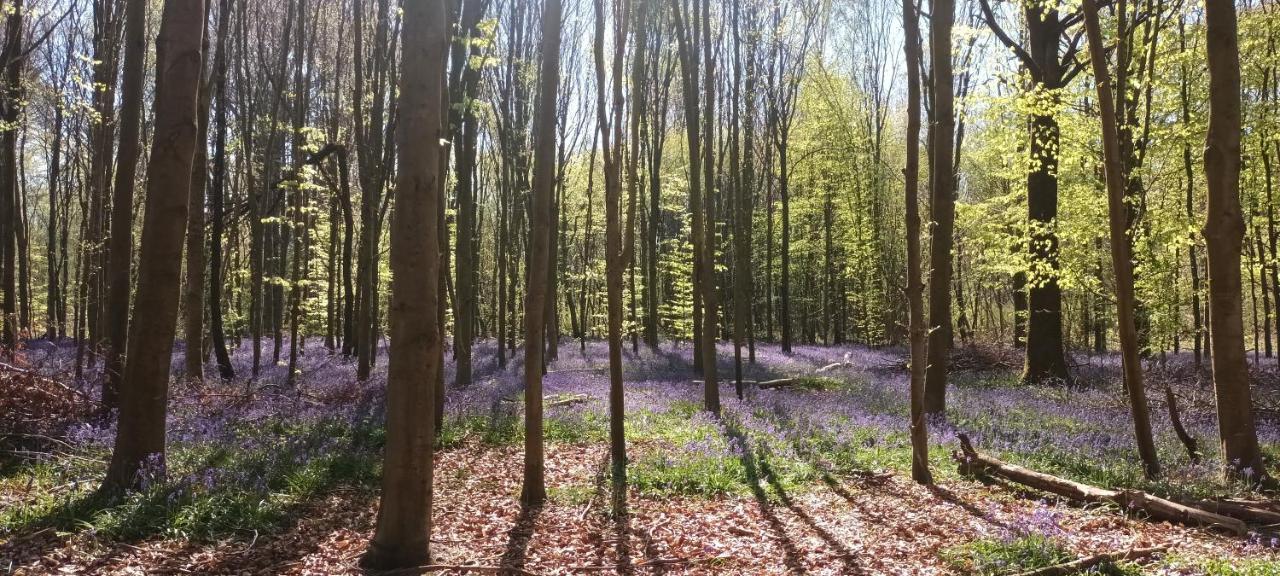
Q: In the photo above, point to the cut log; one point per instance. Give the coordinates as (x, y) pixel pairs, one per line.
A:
(832, 366)
(1193, 448)
(973, 463)
(1078, 566)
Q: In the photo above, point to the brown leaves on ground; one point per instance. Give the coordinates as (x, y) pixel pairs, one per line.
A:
(870, 524)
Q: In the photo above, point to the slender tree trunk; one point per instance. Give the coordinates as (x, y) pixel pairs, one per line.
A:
(915, 288)
(193, 287)
(534, 492)
(218, 194)
(610, 118)
(10, 217)
(942, 196)
(1121, 257)
(120, 252)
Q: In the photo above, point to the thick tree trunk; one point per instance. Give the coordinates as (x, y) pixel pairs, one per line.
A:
(140, 437)
(403, 534)
(1224, 233)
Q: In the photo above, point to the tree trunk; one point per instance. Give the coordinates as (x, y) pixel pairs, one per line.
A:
(915, 289)
(534, 491)
(1121, 257)
(942, 195)
(609, 112)
(193, 287)
(403, 534)
(9, 209)
(218, 194)
(1224, 233)
(139, 451)
(120, 251)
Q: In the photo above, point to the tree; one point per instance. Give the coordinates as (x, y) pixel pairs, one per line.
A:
(140, 435)
(218, 194)
(120, 252)
(534, 492)
(943, 202)
(610, 123)
(193, 287)
(915, 289)
(403, 534)
(687, 37)
(465, 87)
(1121, 254)
(1050, 68)
(9, 207)
(1224, 234)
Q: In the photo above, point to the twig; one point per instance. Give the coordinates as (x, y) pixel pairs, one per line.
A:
(1082, 564)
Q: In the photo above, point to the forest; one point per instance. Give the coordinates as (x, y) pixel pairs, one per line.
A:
(534, 287)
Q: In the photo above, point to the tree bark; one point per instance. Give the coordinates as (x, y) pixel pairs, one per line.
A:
(140, 437)
(915, 288)
(1224, 234)
(218, 194)
(1121, 257)
(942, 195)
(534, 491)
(403, 534)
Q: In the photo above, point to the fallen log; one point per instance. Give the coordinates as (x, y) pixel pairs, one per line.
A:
(1082, 564)
(762, 384)
(779, 383)
(973, 463)
(1246, 512)
(832, 366)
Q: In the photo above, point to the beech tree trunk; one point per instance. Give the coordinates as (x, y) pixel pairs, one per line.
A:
(120, 251)
(140, 436)
(218, 194)
(534, 492)
(1224, 234)
(193, 286)
(609, 112)
(942, 194)
(1121, 255)
(915, 288)
(403, 534)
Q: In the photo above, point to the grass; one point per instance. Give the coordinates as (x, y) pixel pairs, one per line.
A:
(994, 557)
(213, 491)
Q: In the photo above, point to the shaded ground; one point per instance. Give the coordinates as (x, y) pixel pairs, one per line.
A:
(802, 481)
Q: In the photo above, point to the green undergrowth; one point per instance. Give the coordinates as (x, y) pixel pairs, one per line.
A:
(211, 491)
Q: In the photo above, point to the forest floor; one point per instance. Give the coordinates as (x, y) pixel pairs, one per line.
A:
(264, 478)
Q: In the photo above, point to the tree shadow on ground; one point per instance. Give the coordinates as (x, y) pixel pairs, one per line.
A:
(847, 557)
(517, 549)
(792, 557)
(219, 511)
(947, 495)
